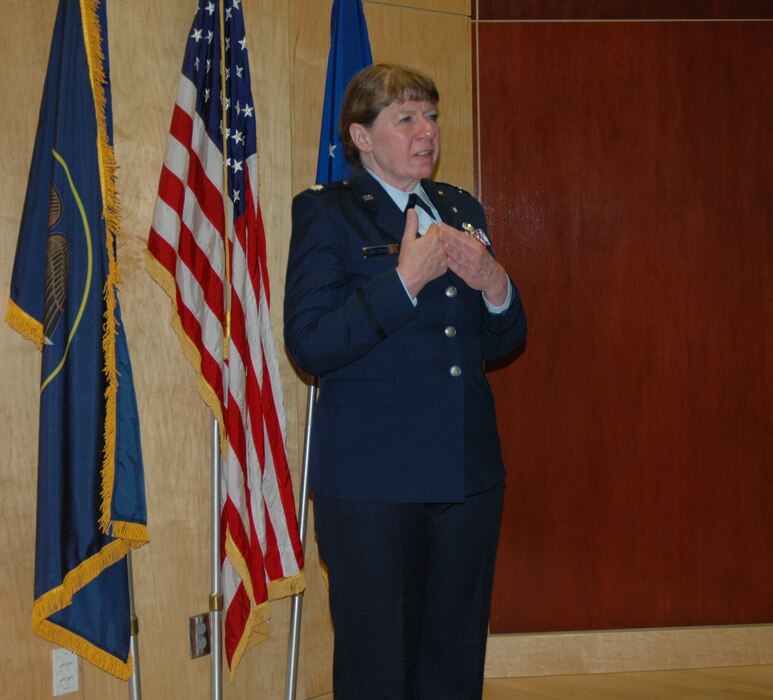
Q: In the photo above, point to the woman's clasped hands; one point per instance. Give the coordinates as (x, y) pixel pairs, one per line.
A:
(425, 258)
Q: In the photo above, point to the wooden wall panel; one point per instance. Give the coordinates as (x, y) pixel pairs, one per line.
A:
(456, 7)
(25, 661)
(288, 51)
(628, 185)
(623, 9)
(416, 36)
(618, 651)
(401, 37)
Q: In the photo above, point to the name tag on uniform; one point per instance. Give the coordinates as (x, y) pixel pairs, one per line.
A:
(386, 249)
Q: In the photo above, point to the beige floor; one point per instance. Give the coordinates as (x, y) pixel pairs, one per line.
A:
(745, 683)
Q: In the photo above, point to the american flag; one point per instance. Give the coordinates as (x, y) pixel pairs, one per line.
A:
(261, 553)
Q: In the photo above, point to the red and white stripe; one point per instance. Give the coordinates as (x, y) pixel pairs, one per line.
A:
(261, 553)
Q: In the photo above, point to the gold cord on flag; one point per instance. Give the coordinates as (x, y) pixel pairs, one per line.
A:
(226, 208)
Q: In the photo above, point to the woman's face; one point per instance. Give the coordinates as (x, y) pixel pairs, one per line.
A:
(403, 144)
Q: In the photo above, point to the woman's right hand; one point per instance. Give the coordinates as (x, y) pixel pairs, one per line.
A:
(422, 259)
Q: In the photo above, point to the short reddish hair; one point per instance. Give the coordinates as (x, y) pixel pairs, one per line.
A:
(374, 88)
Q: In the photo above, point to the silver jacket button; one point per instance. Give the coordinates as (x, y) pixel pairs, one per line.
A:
(455, 370)
(450, 331)
(450, 291)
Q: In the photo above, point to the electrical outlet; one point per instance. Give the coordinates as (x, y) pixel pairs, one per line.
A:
(65, 671)
(198, 633)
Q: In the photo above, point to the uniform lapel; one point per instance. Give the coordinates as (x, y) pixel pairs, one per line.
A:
(444, 198)
(385, 215)
(379, 205)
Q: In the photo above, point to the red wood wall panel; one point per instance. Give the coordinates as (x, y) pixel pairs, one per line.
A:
(622, 9)
(626, 171)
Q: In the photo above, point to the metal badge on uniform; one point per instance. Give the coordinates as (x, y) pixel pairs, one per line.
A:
(386, 249)
(477, 233)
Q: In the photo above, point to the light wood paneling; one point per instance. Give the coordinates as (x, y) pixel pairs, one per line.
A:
(740, 683)
(310, 26)
(25, 660)
(288, 50)
(403, 36)
(627, 650)
(457, 7)
(431, 36)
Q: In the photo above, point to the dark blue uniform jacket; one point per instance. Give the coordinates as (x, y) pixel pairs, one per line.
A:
(404, 411)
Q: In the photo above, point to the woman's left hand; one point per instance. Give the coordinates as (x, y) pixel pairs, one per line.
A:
(472, 261)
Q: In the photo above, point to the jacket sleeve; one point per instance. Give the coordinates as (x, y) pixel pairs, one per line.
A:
(332, 317)
(505, 332)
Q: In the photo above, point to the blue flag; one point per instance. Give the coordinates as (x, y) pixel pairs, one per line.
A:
(91, 495)
(349, 54)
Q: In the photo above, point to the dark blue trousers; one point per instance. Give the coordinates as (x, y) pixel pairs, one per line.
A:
(410, 593)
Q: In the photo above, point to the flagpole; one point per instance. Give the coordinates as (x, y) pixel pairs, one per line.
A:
(291, 681)
(135, 684)
(216, 595)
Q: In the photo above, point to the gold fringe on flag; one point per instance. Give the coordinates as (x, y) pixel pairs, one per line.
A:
(129, 534)
(60, 597)
(166, 281)
(26, 326)
(108, 170)
(256, 628)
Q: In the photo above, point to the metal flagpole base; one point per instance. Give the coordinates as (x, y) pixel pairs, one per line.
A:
(291, 681)
(216, 596)
(135, 684)
(216, 643)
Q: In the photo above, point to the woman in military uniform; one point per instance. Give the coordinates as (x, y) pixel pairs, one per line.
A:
(394, 301)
